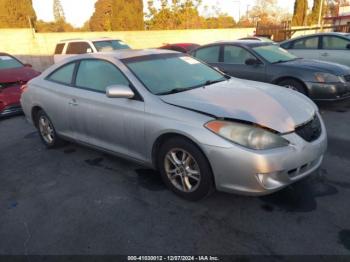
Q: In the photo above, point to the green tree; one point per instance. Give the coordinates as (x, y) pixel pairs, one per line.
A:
(127, 15)
(221, 21)
(300, 12)
(57, 26)
(17, 14)
(313, 17)
(267, 12)
(58, 12)
(183, 14)
(117, 15)
(101, 19)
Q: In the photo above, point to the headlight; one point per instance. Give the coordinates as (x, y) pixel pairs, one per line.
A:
(328, 78)
(247, 135)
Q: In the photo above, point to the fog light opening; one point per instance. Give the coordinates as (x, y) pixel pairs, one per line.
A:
(269, 181)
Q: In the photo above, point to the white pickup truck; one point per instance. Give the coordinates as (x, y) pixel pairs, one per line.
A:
(70, 47)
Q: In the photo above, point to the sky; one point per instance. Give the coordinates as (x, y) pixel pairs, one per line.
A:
(79, 11)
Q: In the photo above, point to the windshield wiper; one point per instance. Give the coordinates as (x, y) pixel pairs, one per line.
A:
(281, 61)
(211, 82)
(179, 90)
(174, 91)
(285, 61)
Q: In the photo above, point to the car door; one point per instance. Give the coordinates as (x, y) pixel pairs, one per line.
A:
(56, 96)
(233, 62)
(335, 49)
(307, 47)
(115, 124)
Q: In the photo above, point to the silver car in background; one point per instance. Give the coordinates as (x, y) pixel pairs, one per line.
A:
(200, 128)
(330, 47)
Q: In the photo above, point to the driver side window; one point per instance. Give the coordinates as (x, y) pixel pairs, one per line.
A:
(236, 55)
(97, 75)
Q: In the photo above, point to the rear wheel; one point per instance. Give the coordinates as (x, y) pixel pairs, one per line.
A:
(185, 169)
(293, 85)
(47, 131)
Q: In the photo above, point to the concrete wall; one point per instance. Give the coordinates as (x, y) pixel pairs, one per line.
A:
(37, 48)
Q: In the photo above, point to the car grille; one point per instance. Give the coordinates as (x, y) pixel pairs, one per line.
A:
(11, 84)
(14, 109)
(311, 130)
(347, 78)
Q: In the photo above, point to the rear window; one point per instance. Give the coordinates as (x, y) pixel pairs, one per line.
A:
(59, 49)
(110, 45)
(208, 54)
(8, 62)
(76, 48)
(63, 75)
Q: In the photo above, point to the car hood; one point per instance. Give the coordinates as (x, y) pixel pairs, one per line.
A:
(318, 66)
(267, 105)
(20, 74)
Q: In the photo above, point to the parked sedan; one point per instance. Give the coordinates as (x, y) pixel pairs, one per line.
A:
(13, 74)
(331, 47)
(180, 47)
(199, 127)
(269, 63)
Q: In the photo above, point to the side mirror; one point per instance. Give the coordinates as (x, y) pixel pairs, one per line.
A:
(89, 50)
(348, 46)
(27, 65)
(252, 62)
(119, 91)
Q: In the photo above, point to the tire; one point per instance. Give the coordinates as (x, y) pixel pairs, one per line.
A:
(187, 173)
(293, 85)
(47, 131)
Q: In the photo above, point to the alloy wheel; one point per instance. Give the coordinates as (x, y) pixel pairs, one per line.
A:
(46, 129)
(182, 170)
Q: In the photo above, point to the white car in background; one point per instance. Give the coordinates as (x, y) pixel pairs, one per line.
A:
(330, 47)
(71, 47)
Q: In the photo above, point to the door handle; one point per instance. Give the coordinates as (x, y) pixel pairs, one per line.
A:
(324, 54)
(73, 102)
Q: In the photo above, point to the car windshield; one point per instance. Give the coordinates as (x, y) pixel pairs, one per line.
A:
(110, 45)
(172, 73)
(8, 62)
(274, 53)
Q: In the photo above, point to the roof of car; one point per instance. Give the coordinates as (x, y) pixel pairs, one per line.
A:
(318, 34)
(124, 54)
(247, 43)
(87, 39)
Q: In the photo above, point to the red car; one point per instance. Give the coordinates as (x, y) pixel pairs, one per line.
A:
(181, 47)
(13, 74)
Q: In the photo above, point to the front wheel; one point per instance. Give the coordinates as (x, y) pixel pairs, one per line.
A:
(293, 85)
(185, 169)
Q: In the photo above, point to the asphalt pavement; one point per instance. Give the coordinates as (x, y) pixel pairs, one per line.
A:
(75, 200)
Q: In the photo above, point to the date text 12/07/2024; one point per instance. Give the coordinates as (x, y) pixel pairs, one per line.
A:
(173, 258)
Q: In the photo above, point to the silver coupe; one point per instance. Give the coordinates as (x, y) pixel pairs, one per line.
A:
(202, 129)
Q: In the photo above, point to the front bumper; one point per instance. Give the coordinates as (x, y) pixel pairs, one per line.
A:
(11, 110)
(328, 91)
(249, 172)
